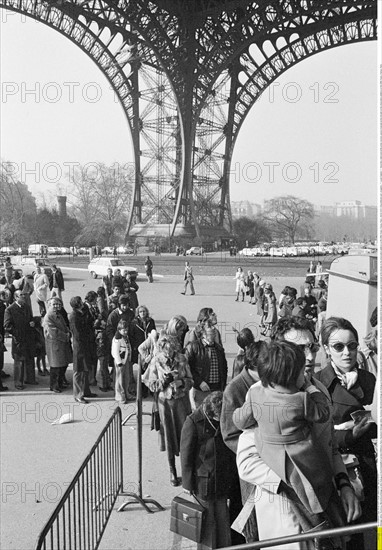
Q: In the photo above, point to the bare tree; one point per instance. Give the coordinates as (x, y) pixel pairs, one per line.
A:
(100, 198)
(289, 217)
(17, 206)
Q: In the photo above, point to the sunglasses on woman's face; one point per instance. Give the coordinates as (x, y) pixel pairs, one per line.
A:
(339, 346)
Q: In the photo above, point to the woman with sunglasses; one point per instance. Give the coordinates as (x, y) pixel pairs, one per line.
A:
(351, 388)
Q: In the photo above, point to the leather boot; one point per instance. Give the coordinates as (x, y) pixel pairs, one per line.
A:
(173, 476)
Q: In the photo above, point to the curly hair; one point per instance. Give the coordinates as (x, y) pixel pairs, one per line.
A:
(212, 404)
(285, 324)
(168, 344)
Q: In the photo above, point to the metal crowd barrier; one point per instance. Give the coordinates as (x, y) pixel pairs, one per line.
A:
(81, 516)
(337, 532)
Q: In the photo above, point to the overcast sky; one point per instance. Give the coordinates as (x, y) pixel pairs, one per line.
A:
(312, 134)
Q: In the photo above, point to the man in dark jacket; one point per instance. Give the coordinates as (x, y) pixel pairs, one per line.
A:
(19, 323)
(208, 364)
(79, 327)
(123, 312)
(56, 282)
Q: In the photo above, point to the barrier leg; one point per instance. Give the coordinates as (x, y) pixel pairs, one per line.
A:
(138, 413)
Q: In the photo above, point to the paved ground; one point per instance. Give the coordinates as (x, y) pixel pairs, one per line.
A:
(38, 459)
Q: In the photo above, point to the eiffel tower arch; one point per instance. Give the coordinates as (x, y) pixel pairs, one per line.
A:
(187, 75)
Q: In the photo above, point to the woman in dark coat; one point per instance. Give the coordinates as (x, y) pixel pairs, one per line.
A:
(140, 328)
(57, 344)
(351, 388)
(208, 469)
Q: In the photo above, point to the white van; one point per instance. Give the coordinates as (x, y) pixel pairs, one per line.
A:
(38, 250)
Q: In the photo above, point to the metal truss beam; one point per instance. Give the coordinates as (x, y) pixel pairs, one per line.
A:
(187, 75)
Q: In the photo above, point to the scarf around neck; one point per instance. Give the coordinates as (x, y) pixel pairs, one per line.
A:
(347, 379)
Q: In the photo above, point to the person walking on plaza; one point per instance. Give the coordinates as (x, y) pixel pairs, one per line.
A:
(57, 344)
(208, 470)
(149, 269)
(269, 309)
(56, 282)
(8, 270)
(188, 278)
(240, 284)
(18, 322)
(41, 287)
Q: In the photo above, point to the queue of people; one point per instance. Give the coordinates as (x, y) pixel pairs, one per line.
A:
(244, 465)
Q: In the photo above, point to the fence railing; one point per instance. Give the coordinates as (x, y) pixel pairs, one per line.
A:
(81, 516)
(337, 532)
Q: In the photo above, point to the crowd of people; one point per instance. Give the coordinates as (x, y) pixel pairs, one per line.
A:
(275, 451)
(308, 302)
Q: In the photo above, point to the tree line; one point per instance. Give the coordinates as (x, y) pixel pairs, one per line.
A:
(99, 199)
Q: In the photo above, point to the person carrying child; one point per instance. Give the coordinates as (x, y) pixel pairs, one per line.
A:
(281, 408)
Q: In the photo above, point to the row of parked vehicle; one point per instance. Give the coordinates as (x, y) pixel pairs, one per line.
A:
(294, 251)
(44, 250)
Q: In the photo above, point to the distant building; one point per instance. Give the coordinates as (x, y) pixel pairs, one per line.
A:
(324, 209)
(241, 209)
(355, 209)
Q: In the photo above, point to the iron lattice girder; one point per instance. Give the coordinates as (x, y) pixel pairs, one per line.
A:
(194, 46)
(188, 53)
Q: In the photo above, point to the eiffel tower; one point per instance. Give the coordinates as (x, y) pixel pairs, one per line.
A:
(187, 73)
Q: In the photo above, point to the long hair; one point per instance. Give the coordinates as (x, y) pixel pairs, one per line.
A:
(121, 325)
(175, 324)
(204, 314)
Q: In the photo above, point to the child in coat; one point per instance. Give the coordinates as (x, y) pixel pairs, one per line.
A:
(281, 408)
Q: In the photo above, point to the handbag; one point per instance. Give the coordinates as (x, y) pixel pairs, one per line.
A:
(187, 518)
